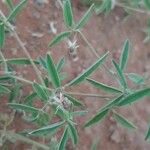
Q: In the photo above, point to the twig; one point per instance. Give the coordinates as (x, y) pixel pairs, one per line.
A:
(71, 93)
(96, 54)
(10, 134)
(38, 73)
(27, 81)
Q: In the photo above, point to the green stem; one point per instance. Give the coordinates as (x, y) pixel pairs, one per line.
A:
(89, 95)
(89, 44)
(4, 61)
(38, 73)
(96, 54)
(133, 9)
(10, 134)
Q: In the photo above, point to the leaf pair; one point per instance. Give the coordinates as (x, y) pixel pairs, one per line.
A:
(120, 101)
(53, 75)
(103, 112)
(52, 71)
(16, 10)
(122, 64)
(69, 130)
(68, 15)
(68, 19)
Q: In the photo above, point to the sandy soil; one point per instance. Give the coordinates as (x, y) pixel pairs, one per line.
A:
(104, 33)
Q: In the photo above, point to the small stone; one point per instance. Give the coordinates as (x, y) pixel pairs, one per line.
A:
(37, 34)
(36, 15)
(115, 137)
(52, 28)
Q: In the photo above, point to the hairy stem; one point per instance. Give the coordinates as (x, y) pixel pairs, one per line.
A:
(89, 95)
(4, 60)
(10, 134)
(96, 54)
(38, 73)
(71, 93)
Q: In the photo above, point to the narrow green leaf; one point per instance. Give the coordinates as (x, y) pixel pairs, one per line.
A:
(67, 13)
(103, 86)
(14, 93)
(19, 61)
(16, 9)
(123, 121)
(120, 74)
(2, 34)
(63, 140)
(60, 64)
(111, 103)
(98, 117)
(47, 129)
(94, 145)
(52, 72)
(147, 136)
(58, 38)
(147, 4)
(105, 7)
(88, 71)
(73, 133)
(42, 61)
(135, 78)
(23, 107)
(124, 55)
(85, 18)
(74, 100)
(135, 96)
(4, 89)
(9, 4)
(40, 91)
(4, 78)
